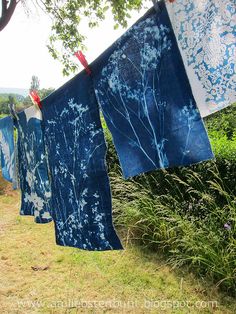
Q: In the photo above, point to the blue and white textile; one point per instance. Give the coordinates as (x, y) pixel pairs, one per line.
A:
(206, 35)
(7, 151)
(145, 96)
(76, 147)
(32, 166)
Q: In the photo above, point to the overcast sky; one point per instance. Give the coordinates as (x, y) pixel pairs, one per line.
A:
(23, 51)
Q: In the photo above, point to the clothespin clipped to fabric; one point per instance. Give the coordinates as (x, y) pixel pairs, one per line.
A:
(35, 98)
(79, 54)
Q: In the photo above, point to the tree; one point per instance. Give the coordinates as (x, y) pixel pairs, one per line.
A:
(7, 10)
(67, 15)
(34, 85)
(5, 100)
(44, 92)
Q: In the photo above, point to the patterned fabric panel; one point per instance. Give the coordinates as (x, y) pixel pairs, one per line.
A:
(80, 186)
(32, 166)
(146, 99)
(206, 35)
(7, 148)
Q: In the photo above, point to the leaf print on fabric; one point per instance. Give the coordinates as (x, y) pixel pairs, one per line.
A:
(76, 148)
(206, 34)
(143, 90)
(33, 169)
(7, 148)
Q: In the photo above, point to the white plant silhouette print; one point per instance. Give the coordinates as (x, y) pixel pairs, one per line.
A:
(32, 164)
(7, 153)
(76, 150)
(205, 32)
(146, 99)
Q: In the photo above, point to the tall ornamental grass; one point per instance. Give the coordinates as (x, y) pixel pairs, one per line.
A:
(188, 214)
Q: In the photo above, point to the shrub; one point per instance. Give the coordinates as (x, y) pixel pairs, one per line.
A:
(223, 147)
(223, 121)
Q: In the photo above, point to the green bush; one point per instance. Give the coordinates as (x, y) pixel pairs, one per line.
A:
(223, 121)
(223, 147)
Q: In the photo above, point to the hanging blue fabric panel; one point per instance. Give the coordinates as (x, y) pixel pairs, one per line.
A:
(206, 35)
(32, 166)
(7, 148)
(76, 150)
(146, 99)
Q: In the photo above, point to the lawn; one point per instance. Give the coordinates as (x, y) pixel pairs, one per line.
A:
(39, 277)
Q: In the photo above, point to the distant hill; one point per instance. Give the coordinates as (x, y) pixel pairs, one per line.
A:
(16, 91)
(18, 97)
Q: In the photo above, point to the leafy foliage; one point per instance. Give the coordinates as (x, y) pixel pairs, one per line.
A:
(34, 85)
(67, 16)
(224, 122)
(223, 147)
(5, 99)
(20, 102)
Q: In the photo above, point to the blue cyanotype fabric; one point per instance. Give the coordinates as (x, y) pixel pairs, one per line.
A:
(146, 99)
(206, 35)
(81, 196)
(32, 166)
(7, 151)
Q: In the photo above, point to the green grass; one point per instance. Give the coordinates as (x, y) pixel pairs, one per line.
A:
(131, 281)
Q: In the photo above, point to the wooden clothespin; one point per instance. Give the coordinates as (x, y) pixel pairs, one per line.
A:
(35, 98)
(79, 54)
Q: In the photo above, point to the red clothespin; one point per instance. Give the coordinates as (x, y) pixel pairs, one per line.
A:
(79, 54)
(35, 98)
(171, 1)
